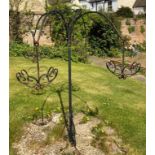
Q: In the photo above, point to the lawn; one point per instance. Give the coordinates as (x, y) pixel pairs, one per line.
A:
(121, 103)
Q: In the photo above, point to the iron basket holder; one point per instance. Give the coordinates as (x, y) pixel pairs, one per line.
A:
(120, 69)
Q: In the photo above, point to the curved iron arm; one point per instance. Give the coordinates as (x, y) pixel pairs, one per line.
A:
(69, 27)
(82, 14)
(124, 70)
(24, 78)
(42, 21)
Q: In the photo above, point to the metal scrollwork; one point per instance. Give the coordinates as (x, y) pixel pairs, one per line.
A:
(123, 70)
(32, 82)
(40, 81)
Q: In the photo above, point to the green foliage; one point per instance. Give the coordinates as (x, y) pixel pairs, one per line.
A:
(78, 52)
(99, 137)
(103, 38)
(127, 22)
(141, 16)
(121, 103)
(130, 53)
(125, 12)
(19, 49)
(97, 130)
(97, 44)
(142, 29)
(90, 110)
(55, 134)
(141, 47)
(84, 120)
(114, 52)
(131, 29)
(143, 71)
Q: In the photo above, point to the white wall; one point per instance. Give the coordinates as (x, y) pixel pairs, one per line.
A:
(139, 10)
(85, 4)
(126, 3)
(89, 6)
(115, 5)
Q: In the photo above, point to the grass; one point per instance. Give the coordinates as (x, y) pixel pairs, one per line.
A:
(121, 103)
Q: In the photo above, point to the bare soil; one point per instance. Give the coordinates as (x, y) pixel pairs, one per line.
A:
(33, 140)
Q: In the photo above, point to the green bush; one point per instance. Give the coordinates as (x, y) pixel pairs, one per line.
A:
(102, 37)
(141, 16)
(141, 47)
(131, 29)
(17, 49)
(142, 29)
(99, 43)
(125, 12)
(127, 22)
(114, 52)
(130, 53)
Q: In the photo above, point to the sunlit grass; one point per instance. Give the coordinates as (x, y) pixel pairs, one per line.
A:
(120, 102)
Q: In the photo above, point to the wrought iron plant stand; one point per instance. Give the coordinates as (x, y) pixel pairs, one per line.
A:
(119, 69)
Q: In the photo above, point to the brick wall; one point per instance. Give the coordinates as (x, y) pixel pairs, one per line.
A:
(136, 36)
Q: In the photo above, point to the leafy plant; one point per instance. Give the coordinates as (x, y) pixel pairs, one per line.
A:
(131, 29)
(19, 49)
(99, 137)
(78, 53)
(125, 12)
(84, 120)
(114, 52)
(40, 113)
(56, 133)
(102, 38)
(127, 22)
(90, 110)
(141, 16)
(141, 47)
(142, 29)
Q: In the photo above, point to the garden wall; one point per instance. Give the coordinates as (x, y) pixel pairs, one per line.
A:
(137, 33)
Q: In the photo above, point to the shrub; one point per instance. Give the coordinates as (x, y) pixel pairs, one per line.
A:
(127, 22)
(125, 12)
(141, 16)
(142, 29)
(99, 44)
(130, 53)
(17, 49)
(141, 47)
(102, 37)
(114, 52)
(136, 49)
(131, 29)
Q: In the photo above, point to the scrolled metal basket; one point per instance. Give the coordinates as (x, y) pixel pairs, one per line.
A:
(122, 70)
(37, 83)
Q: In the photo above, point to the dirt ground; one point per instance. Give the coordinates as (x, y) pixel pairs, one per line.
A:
(101, 61)
(34, 135)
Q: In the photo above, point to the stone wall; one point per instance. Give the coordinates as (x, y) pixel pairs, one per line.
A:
(36, 6)
(137, 36)
(45, 38)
